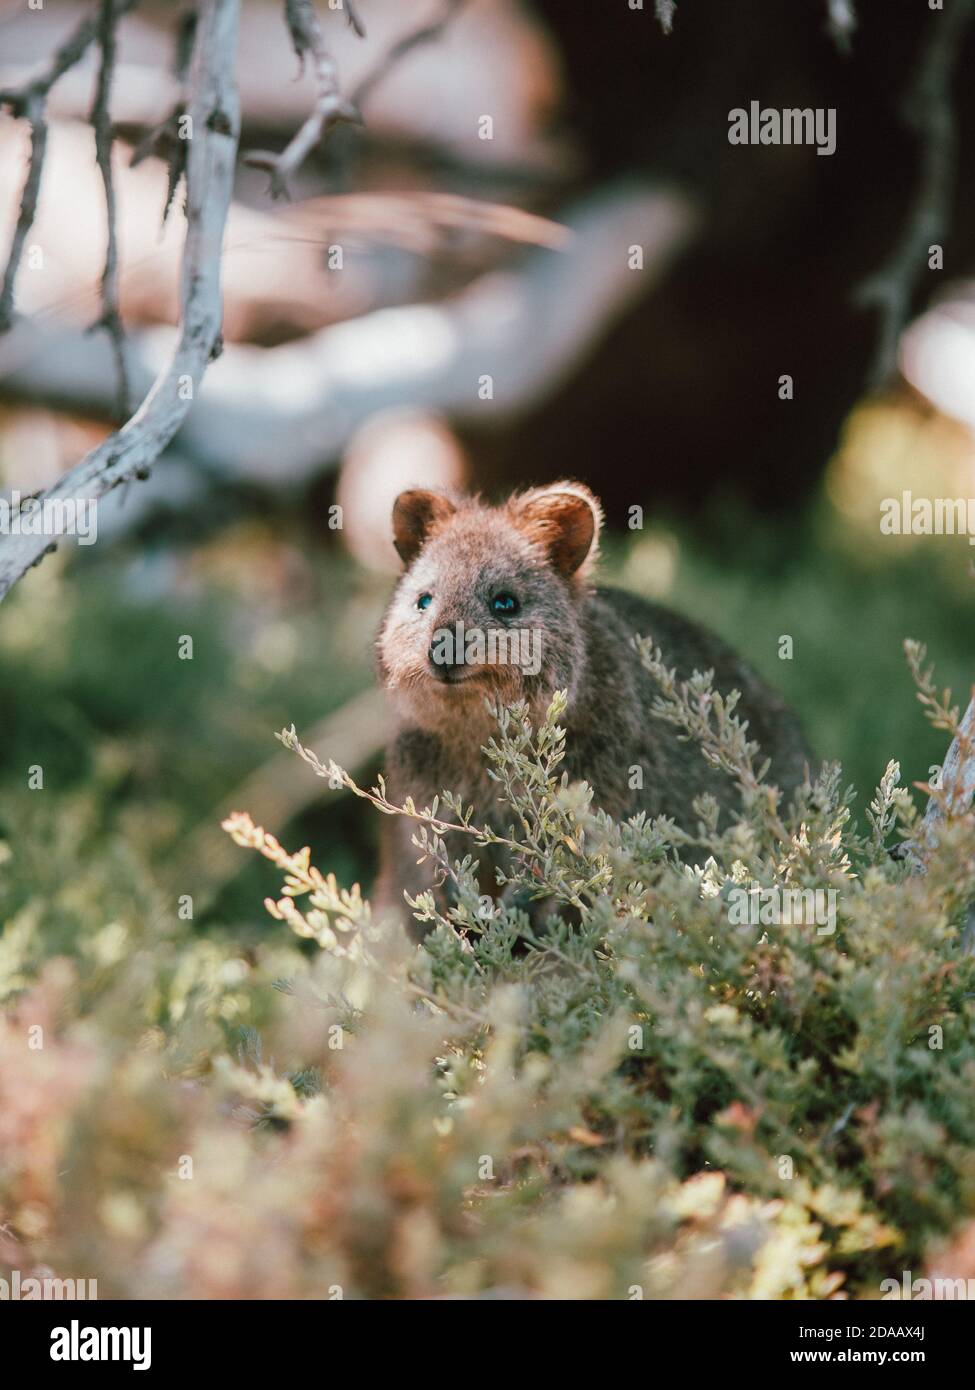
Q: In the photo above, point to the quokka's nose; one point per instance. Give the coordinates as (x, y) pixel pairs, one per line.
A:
(446, 661)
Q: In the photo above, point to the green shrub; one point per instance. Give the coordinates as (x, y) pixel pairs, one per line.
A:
(644, 1095)
(827, 1063)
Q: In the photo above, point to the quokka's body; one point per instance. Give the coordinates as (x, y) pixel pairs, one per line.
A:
(524, 566)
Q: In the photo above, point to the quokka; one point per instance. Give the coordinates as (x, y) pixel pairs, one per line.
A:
(495, 604)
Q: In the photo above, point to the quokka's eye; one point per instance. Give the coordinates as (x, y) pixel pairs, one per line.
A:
(504, 603)
(424, 601)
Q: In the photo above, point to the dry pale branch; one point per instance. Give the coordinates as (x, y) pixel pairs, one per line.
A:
(928, 111)
(951, 794)
(164, 140)
(33, 109)
(330, 109)
(954, 799)
(355, 23)
(210, 168)
(30, 102)
(954, 796)
(950, 797)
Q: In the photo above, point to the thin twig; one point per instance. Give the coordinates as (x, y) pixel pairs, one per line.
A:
(377, 797)
(330, 109)
(951, 797)
(167, 140)
(209, 181)
(34, 111)
(957, 783)
(66, 56)
(29, 102)
(110, 320)
(928, 111)
(355, 23)
(954, 799)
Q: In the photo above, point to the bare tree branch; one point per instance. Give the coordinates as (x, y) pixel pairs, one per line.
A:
(950, 796)
(210, 169)
(929, 112)
(355, 23)
(953, 799)
(33, 109)
(110, 320)
(30, 101)
(164, 140)
(957, 784)
(330, 108)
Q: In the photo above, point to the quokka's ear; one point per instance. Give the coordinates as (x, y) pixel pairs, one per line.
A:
(565, 519)
(416, 515)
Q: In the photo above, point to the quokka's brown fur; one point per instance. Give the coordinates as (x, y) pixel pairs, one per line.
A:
(539, 548)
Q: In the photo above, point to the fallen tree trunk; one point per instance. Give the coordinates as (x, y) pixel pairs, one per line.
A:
(281, 415)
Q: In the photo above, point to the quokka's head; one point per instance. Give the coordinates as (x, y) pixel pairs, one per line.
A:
(488, 606)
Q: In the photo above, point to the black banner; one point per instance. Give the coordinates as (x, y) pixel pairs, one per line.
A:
(147, 1338)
